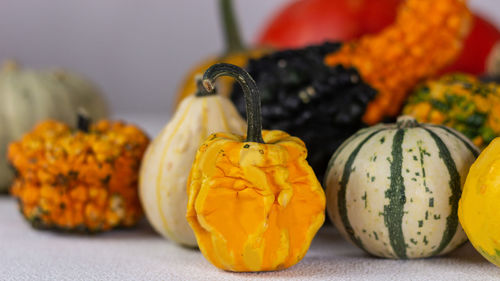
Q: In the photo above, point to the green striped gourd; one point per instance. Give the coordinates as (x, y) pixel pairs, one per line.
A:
(29, 96)
(393, 189)
(168, 160)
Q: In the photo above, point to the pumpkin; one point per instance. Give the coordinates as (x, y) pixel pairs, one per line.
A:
(393, 189)
(166, 165)
(459, 101)
(29, 96)
(254, 203)
(235, 53)
(478, 208)
(426, 36)
(79, 181)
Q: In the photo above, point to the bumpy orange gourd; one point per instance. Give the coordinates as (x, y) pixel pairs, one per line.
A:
(254, 204)
(83, 181)
(426, 36)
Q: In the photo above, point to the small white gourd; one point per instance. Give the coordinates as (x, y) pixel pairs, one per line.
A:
(168, 159)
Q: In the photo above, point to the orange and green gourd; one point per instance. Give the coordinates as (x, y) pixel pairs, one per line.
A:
(254, 203)
(459, 101)
(426, 36)
(79, 181)
(478, 207)
(235, 53)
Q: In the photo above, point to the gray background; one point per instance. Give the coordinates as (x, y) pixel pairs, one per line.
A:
(136, 51)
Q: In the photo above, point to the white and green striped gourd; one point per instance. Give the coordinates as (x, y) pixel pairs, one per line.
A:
(393, 189)
(29, 96)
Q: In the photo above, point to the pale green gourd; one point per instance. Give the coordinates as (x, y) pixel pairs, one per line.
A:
(29, 96)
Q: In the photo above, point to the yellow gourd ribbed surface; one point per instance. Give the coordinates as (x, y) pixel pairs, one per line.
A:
(254, 206)
(479, 206)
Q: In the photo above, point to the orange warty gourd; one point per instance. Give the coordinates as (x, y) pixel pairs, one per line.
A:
(254, 203)
(426, 36)
(79, 181)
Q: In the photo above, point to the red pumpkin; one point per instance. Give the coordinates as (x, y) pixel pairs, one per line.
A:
(305, 22)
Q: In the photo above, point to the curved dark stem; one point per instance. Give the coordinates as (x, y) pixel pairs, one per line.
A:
(201, 91)
(250, 90)
(230, 27)
(83, 121)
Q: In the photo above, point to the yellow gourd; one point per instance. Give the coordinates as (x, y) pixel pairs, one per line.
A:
(254, 202)
(165, 168)
(479, 206)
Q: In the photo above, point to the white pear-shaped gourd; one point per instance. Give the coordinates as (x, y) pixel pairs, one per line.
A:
(29, 96)
(168, 159)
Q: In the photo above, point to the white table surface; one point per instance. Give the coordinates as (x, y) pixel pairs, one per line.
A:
(141, 254)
